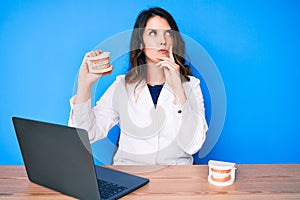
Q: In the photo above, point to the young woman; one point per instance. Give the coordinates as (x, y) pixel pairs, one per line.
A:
(158, 104)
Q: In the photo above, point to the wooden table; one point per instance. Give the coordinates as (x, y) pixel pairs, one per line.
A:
(176, 182)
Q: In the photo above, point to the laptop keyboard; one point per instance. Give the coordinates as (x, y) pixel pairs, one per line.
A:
(109, 189)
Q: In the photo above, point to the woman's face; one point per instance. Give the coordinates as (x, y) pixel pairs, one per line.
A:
(157, 38)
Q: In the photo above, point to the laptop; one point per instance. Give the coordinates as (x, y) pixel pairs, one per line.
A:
(60, 158)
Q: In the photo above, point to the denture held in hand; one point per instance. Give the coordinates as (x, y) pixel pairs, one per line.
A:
(99, 64)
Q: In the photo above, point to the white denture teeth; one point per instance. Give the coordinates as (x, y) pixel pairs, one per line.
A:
(221, 173)
(101, 64)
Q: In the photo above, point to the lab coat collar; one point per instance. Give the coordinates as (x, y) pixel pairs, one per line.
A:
(142, 94)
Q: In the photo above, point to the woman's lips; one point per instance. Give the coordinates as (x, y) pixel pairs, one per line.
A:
(163, 51)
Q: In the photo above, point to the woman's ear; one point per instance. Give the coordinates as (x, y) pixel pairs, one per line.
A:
(141, 47)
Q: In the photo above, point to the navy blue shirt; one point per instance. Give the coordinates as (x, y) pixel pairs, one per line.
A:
(155, 91)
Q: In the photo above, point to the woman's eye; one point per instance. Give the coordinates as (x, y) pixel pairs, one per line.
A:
(169, 33)
(152, 33)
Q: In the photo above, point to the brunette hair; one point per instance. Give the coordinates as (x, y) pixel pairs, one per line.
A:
(137, 70)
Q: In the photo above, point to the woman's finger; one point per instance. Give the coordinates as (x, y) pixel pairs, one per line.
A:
(168, 64)
(171, 54)
(94, 53)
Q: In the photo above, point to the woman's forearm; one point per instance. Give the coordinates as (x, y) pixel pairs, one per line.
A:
(83, 93)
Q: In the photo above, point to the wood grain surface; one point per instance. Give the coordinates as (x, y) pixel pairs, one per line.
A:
(176, 182)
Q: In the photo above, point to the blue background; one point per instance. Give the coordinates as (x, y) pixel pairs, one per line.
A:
(255, 45)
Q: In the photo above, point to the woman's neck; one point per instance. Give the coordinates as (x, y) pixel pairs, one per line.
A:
(155, 75)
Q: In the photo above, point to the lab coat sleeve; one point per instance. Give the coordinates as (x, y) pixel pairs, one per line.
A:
(193, 127)
(97, 120)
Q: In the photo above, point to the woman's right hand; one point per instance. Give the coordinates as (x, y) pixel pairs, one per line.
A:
(86, 79)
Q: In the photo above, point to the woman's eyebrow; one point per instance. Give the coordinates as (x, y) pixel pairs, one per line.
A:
(156, 29)
(151, 29)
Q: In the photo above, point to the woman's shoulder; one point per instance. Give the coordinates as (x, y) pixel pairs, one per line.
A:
(118, 81)
(121, 78)
(193, 80)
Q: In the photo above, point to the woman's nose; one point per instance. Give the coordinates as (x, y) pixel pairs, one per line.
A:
(162, 39)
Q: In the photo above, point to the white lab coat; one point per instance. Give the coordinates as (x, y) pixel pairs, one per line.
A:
(167, 134)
